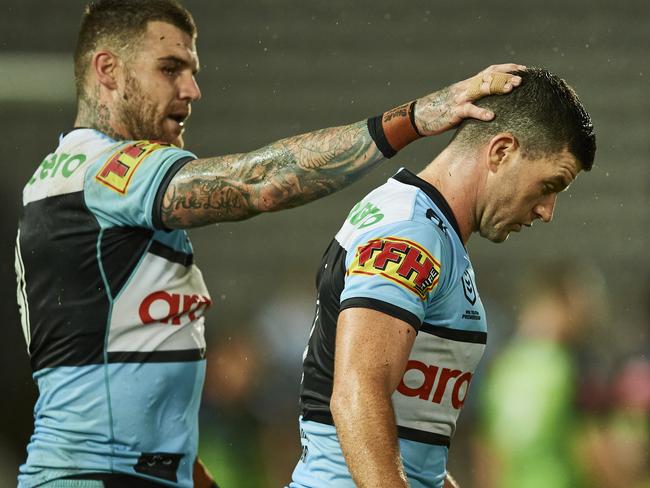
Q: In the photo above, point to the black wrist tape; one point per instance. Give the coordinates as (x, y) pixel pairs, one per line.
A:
(377, 134)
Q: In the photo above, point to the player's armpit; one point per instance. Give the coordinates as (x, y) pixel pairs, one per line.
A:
(284, 174)
(372, 349)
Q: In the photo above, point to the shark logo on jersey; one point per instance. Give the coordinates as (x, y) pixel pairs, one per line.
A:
(118, 170)
(403, 261)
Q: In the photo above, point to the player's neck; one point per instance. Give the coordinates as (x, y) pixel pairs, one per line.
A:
(454, 175)
(94, 114)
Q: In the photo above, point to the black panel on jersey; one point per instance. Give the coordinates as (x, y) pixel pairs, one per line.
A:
(318, 366)
(162, 465)
(170, 254)
(474, 336)
(175, 356)
(156, 216)
(408, 178)
(422, 436)
(118, 480)
(384, 307)
(122, 248)
(68, 305)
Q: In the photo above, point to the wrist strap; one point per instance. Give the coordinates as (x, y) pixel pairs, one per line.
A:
(394, 129)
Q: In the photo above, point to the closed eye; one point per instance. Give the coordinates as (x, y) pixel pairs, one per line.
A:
(170, 71)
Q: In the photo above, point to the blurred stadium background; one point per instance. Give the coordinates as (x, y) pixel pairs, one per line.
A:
(276, 68)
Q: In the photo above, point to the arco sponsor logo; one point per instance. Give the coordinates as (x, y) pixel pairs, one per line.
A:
(399, 260)
(434, 382)
(170, 308)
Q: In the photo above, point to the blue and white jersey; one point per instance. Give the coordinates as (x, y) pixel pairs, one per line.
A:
(399, 252)
(112, 310)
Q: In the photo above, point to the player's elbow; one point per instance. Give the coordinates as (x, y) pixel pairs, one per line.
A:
(342, 401)
(350, 398)
(270, 198)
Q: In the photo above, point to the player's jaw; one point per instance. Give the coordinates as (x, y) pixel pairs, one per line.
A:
(174, 124)
(144, 117)
(497, 227)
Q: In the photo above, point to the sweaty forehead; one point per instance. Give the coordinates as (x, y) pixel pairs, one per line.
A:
(162, 39)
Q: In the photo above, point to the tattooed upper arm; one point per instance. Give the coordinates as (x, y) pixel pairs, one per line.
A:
(284, 174)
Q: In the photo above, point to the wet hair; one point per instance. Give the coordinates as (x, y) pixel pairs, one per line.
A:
(545, 115)
(120, 23)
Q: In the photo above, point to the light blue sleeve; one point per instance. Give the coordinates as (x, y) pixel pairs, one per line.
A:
(394, 269)
(121, 188)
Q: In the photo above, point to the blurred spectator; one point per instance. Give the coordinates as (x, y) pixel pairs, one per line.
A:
(528, 407)
(230, 431)
(250, 401)
(615, 445)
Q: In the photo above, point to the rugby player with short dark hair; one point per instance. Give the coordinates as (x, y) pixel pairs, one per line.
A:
(111, 301)
(399, 325)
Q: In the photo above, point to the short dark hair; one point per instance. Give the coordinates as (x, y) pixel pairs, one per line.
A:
(121, 22)
(544, 113)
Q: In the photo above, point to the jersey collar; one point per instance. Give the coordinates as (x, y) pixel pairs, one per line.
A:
(408, 178)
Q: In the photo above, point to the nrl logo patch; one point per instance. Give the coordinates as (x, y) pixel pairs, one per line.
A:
(118, 170)
(468, 287)
(400, 260)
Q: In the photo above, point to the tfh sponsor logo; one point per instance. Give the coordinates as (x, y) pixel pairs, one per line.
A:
(435, 381)
(400, 260)
(118, 171)
(170, 308)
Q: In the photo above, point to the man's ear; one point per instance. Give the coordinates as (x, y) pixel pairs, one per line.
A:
(105, 65)
(501, 148)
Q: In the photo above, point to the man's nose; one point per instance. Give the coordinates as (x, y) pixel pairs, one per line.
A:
(189, 89)
(544, 210)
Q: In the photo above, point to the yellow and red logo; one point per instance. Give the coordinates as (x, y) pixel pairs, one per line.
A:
(118, 170)
(400, 260)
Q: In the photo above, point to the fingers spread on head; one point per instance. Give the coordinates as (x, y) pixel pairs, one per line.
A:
(481, 113)
(498, 83)
(494, 83)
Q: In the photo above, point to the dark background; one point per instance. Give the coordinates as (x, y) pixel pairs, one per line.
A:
(271, 69)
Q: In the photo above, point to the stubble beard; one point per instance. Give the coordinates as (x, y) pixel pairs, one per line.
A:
(137, 113)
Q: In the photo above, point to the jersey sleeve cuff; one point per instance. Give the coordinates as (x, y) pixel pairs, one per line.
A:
(156, 211)
(384, 307)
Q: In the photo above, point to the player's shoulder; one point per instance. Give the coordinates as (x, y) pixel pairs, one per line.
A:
(117, 167)
(62, 171)
(133, 152)
(397, 208)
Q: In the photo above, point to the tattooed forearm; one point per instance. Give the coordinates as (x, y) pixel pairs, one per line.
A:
(284, 174)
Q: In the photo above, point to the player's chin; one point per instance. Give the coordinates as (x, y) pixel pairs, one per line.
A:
(172, 138)
(502, 237)
(495, 235)
(178, 141)
(173, 134)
